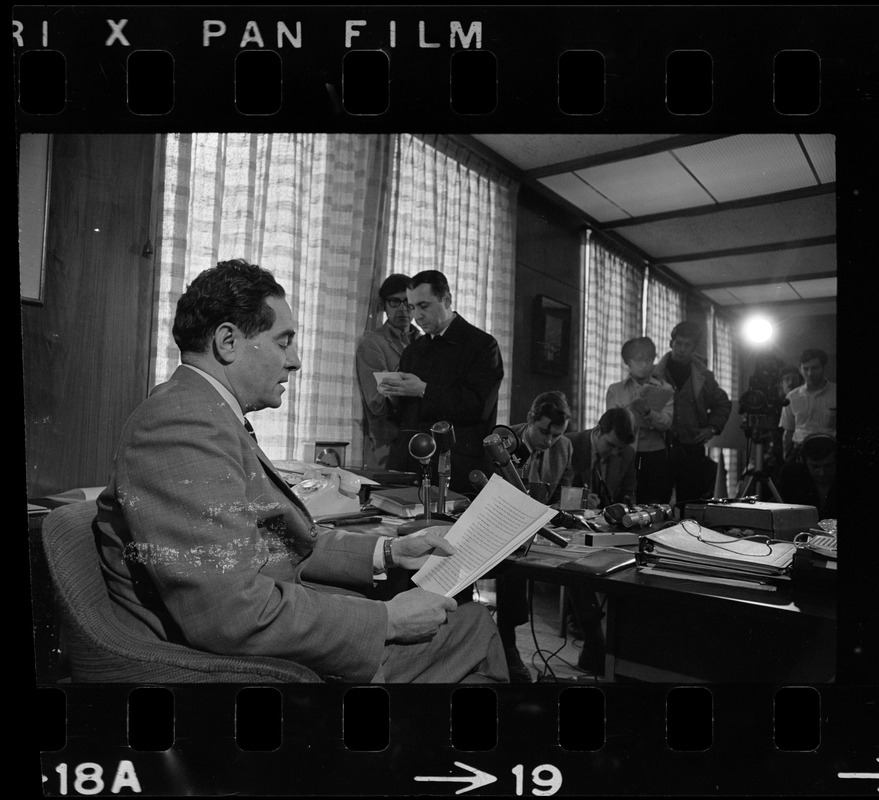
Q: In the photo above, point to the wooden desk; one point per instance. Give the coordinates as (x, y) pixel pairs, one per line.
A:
(669, 630)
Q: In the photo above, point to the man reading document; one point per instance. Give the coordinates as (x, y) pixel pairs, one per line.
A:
(203, 543)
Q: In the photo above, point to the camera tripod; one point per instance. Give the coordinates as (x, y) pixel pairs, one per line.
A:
(758, 476)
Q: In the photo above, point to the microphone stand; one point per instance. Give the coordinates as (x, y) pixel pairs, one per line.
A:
(444, 436)
(421, 447)
(501, 458)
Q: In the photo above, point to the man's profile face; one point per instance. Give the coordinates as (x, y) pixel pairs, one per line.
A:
(682, 349)
(397, 309)
(813, 373)
(430, 313)
(263, 364)
(608, 445)
(543, 434)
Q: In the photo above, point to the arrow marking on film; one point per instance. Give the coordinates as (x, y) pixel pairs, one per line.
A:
(476, 778)
(862, 775)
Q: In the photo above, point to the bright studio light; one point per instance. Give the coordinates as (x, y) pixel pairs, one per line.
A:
(757, 330)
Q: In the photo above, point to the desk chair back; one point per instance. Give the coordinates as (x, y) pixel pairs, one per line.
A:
(99, 648)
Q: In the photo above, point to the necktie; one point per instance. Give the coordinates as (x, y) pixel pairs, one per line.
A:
(249, 428)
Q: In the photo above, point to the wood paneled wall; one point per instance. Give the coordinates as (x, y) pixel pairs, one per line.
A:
(547, 263)
(86, 349)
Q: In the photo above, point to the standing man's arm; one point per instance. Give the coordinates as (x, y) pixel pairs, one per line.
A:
(370, 358)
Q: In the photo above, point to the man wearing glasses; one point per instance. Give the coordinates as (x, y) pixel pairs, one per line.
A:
(380, 351)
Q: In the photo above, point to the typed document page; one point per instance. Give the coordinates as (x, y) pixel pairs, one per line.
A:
(500, 519)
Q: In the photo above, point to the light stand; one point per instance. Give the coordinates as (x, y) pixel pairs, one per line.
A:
(757, 475)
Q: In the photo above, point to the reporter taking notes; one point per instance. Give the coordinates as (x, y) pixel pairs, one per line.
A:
(203, 543)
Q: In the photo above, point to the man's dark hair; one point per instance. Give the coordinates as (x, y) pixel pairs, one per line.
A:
(817, 446)
(233, 291)
(813, 352)
(553, 405)
(687, 329)
(638, 344)
(438, 283)
(619, 421)
(393, 284)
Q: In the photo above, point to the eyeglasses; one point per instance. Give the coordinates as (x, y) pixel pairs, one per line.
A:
(694, 529)
(395, 302)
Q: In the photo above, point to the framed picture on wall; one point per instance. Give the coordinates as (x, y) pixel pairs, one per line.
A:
(551, 336)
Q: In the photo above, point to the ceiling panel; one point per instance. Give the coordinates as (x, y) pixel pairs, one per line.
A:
(811, 289)
(766, 293)
(821, 148)
(647, 185)
(583, 196)
(748, 165)
(532, 151)
(757, 266)
(745, 218)
(788, 221)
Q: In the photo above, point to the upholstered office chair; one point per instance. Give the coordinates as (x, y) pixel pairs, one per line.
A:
(99, 648)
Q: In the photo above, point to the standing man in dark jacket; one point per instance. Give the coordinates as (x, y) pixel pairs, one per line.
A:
(701, 409)
(452, 373)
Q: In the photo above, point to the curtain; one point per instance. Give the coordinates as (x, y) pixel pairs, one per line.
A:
(665, 308)
(726, 371)
(613, 315)
(306, 207)
(451, 211)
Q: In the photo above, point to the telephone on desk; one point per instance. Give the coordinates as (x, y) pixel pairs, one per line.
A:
(328, 492)
(821, 540)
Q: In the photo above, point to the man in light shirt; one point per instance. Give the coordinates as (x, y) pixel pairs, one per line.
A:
(811, 407)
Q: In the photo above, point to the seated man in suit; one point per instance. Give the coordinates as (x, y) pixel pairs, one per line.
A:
(545, 458)
(203, 543)
(811, 479)
(603, 459)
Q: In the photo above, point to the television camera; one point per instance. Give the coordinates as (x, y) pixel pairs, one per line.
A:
(760, 409)
(760, 406)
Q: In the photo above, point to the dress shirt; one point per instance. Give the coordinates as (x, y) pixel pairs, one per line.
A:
(810, 411)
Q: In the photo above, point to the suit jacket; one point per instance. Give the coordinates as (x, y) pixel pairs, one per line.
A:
(463, 372)
(619, 473)
(186, 554)
(557, 470)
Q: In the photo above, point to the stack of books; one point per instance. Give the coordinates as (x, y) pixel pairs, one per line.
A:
(408, 502)
(691, 552)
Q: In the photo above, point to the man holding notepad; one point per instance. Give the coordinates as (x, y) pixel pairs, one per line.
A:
(650, 401)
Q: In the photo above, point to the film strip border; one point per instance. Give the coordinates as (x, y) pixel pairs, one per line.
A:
(448, 67)
(334, 740)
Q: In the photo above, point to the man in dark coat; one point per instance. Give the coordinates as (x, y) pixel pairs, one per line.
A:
(453, 373)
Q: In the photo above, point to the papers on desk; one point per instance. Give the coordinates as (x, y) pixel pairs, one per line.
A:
(692, 552)
(499, 520)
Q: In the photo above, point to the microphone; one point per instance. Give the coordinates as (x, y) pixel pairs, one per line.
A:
(494, 445)
(478, 480)
(444, 436)
(421, 447)
(501, 457)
